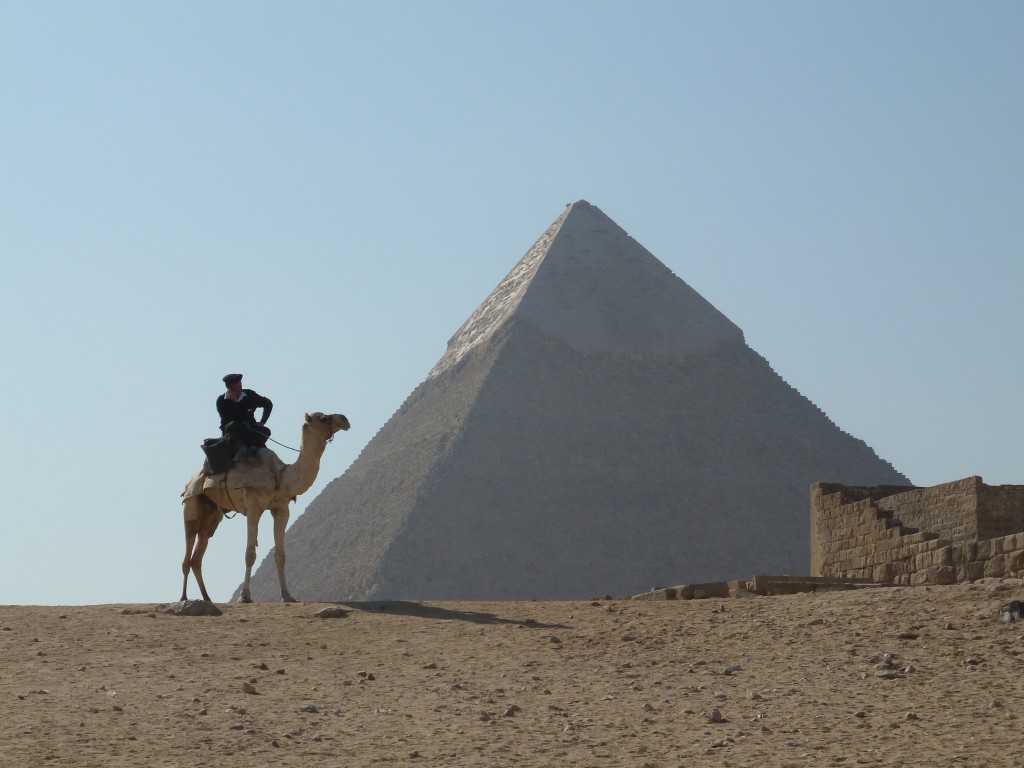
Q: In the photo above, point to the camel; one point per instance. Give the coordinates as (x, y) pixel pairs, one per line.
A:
(270, 485)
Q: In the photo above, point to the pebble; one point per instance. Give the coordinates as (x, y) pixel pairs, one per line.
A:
(249, 688)
(715, 716)
(331, 613)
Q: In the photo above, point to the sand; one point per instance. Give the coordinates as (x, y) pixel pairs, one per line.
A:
(798, 680)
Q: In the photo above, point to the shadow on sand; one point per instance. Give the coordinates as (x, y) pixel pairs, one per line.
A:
(408, 608)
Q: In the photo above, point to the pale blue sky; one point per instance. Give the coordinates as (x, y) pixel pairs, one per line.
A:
(319, 194)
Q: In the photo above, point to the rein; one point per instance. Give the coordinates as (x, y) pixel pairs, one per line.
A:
(286, 446)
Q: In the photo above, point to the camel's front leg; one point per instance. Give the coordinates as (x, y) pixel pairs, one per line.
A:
(252, 519)
(280, 523)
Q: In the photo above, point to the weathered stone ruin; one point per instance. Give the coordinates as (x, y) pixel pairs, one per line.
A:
(595, 425)
(955, 532)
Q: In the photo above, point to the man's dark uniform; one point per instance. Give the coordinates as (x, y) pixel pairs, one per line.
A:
(240, 412)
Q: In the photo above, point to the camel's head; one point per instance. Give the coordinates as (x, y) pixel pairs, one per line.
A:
(326, 424)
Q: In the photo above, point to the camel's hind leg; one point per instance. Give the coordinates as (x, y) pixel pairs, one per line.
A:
(202, 517)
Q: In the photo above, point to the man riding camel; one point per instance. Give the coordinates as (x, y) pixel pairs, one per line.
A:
(237, 408)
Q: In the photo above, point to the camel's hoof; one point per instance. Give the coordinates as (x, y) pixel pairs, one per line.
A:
(288, 599)
(245, 599)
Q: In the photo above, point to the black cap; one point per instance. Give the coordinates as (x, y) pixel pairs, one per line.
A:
(231, 378)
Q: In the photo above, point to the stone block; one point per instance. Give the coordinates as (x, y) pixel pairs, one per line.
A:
(866, 516)
(968, 551)
(1015, 560)
(924, 545)
(919, 578)
(832, 547)
(1012, 543)
(974, 570)
(931, 558)
(941, 574)
(702, 591)
(661, 593)
(913, 538)
(884, 573)
(984, 550)
(995, 566)
(943, 556)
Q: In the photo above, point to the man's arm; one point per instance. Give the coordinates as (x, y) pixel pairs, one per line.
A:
(266, 405)
(224, 411)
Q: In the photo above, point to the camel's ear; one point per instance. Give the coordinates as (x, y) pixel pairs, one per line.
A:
(308, 419)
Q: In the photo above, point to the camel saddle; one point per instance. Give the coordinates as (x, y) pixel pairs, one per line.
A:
(242, 474)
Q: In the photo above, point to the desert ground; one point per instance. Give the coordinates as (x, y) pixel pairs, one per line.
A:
(915, 676)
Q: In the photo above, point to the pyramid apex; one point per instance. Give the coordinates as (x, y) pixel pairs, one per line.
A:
(588, 283)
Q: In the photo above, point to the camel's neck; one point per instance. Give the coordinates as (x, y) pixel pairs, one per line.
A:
(298, 477)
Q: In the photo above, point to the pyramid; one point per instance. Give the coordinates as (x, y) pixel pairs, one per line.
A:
(595, 426)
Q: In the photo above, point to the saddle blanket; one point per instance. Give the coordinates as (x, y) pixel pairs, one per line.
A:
(243, 474)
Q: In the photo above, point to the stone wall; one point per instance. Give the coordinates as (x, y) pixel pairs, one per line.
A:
(954, 532)
(949, 510)
(1001, 510)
